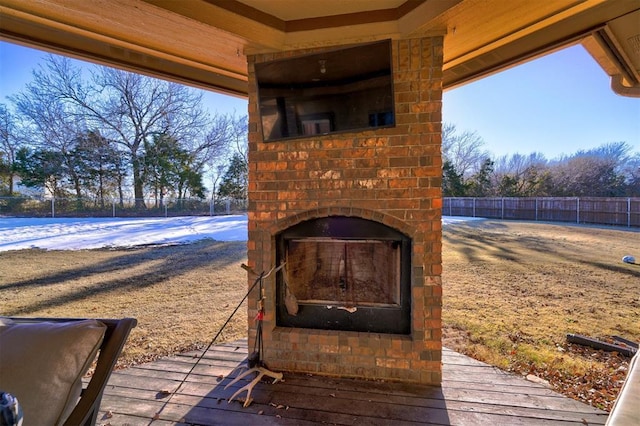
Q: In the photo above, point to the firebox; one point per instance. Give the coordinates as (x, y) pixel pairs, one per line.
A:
(345, 273)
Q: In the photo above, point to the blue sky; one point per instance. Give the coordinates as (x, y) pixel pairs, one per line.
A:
(555, 105)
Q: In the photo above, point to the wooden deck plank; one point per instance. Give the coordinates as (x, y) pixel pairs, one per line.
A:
(123, 419)
(291, 412)
(472, 393)
(436, 398)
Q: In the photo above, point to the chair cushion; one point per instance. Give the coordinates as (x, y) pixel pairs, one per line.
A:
(42, 364)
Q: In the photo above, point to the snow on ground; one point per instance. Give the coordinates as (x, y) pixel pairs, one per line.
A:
(92, 233)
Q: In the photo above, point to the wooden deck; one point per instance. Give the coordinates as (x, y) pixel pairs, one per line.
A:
(472, 393)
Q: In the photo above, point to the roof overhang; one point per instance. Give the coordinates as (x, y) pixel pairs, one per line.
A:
(204, 43)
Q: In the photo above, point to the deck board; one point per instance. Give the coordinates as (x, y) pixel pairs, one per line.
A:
(472, 393)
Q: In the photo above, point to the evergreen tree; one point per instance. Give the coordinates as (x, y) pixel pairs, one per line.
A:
(41, 169)
(235, 181)
(452, 182)
(171, 170)
(100, 166)
(480, 183)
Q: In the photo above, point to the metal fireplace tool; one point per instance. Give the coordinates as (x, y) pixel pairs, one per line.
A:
(255, 361)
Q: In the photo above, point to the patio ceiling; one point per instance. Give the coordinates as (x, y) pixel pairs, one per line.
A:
(204, 43)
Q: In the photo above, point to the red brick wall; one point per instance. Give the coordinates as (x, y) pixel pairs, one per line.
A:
(390, 175)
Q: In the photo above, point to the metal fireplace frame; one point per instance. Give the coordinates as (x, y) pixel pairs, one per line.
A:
(394, 319)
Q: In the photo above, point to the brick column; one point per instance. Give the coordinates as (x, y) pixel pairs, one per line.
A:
(391, 175)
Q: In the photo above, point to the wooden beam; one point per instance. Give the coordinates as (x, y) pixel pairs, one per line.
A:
(124, 33)
(251, 28)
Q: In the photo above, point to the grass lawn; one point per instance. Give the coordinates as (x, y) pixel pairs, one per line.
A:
(512, 291)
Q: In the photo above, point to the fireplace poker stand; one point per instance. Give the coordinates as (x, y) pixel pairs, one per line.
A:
(255, 361)
(258, 366)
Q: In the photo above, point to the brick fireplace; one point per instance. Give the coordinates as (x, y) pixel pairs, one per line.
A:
(357, 218)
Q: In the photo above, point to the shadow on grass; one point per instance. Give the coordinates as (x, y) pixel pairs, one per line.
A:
(474, 243)
(174, 262)
(487, 238)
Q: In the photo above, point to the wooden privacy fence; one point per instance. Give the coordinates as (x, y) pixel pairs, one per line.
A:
(596, 210)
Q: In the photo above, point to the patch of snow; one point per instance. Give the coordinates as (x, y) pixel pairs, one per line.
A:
(93, 233)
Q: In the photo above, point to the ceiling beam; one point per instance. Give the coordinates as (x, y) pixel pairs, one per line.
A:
(96, 31)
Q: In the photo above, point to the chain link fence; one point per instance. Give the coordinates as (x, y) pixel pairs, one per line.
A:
(609, 211)
(88, 207)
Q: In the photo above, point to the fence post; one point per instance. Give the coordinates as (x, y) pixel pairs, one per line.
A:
(474, 208)
(450, 206)
(577, 210)
(536, 200)
(629, 212)
(113, 208)
(53, 207)
(502, 205)
(228, 205)
(211, 207)
(166, 210)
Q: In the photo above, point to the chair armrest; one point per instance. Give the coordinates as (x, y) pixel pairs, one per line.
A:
(86, 411)
(626, 409)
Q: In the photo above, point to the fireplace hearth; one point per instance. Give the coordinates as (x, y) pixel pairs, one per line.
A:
(346, 273)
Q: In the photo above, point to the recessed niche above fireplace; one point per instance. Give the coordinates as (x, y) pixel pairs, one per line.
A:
(347, 274)
(337, 90)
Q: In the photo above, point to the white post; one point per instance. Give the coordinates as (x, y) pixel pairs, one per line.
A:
(629, 212)
(577, 210)
(536, 208)
(113, 208)
(53, 207)
(228, 203)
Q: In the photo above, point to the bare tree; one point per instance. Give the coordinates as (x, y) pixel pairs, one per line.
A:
(464, 151)
(51, 122)
(520, 175)
(220, 136)
(9, 145)
(131, 108)
(239, 136)
(127, 108)
(586, 175)
(631, 172)
(226, 131)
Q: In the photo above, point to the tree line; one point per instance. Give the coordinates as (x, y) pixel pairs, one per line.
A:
(610, 170)
(107, 134)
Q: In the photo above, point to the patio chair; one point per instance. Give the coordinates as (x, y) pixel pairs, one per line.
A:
(43, 361)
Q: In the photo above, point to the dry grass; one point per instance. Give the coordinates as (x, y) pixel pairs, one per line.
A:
(180, 295)
(512, 291)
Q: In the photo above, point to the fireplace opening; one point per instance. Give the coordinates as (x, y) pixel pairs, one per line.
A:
(347, 274)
